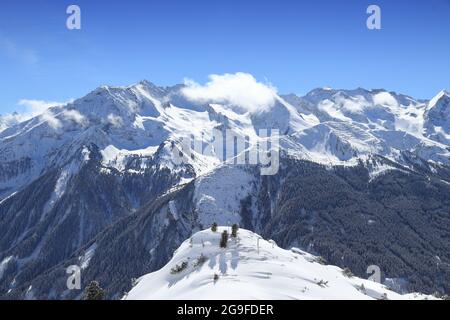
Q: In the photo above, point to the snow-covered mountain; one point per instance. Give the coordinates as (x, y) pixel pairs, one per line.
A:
(252, 268)
(325, 126)
(358, 122)
(99, 176)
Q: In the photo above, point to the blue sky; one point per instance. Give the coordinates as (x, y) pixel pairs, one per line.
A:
(295, 45)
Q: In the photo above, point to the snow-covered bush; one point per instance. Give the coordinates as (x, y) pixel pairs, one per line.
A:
(322, 283)
(200, 261)
(179, 267)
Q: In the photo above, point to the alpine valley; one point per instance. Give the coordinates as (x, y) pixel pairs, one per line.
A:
(364, 179)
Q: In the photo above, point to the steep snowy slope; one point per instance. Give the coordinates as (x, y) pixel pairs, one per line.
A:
(251, 268)
(437, 118)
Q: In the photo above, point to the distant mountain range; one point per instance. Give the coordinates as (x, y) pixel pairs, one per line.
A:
(364, 179)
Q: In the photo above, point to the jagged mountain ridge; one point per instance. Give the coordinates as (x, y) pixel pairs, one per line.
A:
(328, 126)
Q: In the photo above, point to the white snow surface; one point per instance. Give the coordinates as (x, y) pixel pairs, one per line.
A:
(252, 268)
(218, 194)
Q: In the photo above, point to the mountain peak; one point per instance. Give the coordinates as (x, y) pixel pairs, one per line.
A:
(147, 83)
(443, 94)
(149, 86)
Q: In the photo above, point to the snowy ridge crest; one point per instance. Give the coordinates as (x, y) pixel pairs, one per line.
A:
(252, 268)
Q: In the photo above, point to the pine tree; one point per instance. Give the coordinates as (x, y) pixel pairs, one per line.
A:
(234, 230)
(94, 291)
(224, 239)
(214, 227)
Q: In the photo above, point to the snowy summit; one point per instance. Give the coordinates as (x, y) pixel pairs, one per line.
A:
(252, 268)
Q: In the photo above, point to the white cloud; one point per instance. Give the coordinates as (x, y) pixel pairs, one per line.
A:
(239, 89)
(115, 120)
(51, 120)
(36, 107)
(75, 116)
(385, 99)
(352, 104)
(9, 120)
